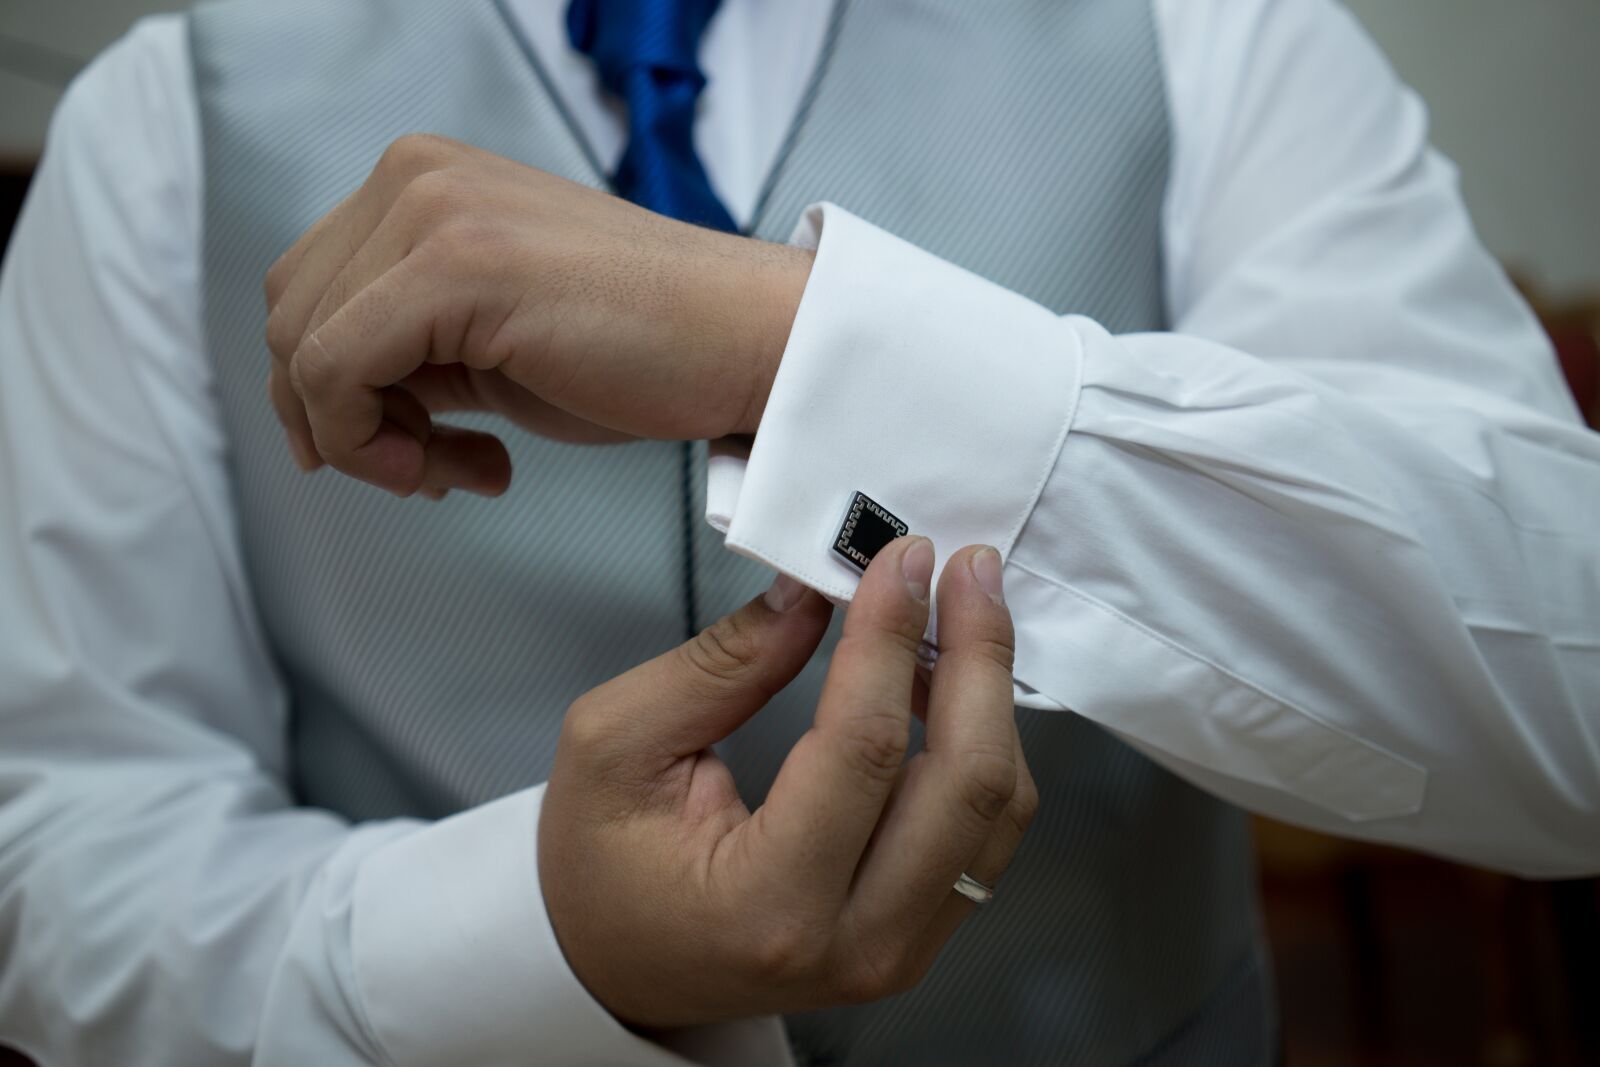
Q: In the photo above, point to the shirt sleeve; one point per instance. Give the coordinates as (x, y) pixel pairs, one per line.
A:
(1326, 548)
(162, 899)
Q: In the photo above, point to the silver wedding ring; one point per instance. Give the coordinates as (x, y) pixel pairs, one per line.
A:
(973, 889)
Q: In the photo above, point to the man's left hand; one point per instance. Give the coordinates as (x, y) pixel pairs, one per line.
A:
(454, 280)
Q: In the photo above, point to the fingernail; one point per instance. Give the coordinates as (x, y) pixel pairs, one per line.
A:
(916, 566)
(784, 593)
(986, 569)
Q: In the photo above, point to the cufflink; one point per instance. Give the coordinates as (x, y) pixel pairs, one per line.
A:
(867, 527)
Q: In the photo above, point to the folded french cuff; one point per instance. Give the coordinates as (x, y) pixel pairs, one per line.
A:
(947, 399)
(455, 957)
(940, 395)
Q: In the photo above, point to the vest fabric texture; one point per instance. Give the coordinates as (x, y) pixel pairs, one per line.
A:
(431, 649)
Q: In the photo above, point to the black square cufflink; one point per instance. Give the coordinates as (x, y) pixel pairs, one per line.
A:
(867, 527)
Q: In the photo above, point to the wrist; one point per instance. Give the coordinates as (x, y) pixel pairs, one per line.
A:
(768, 296)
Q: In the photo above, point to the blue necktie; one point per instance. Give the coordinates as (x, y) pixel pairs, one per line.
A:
(645, 53)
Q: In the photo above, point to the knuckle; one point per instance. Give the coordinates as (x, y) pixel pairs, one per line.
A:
(723, 651)
(415, 152)
(312, 370)
(893, 630)
(1024, 806)
(858, 985)
(276, 280)
(880, 646)
(873, 975)
(908, 636)
(904, 625)
(990, 662)
(457, 242)
(999, 649)
(334, 297)
(430, 197)
(584, 729)
(986, 782)
(281, 337)
(785, 952)
(876, 741)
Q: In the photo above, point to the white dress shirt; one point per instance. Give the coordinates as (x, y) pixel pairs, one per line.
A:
(1330, 548)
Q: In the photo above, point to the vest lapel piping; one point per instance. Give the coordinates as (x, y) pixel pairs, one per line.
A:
(797, 123)
(597, 171)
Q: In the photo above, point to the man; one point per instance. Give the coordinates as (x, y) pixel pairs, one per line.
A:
(1291, 504)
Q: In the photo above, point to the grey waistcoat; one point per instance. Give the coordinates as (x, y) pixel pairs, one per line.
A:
(431, 649)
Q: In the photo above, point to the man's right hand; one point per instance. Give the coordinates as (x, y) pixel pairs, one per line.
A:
(675, 905)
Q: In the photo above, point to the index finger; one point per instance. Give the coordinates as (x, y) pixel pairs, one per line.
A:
(298, 283)
(964, 778)
(343, 372)
(830, 792)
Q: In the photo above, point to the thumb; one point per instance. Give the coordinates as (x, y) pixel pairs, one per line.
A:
(700, 692)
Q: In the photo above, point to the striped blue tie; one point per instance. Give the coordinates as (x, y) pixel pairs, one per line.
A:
(645, 52)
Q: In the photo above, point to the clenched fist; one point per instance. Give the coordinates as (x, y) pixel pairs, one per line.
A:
(454, 279)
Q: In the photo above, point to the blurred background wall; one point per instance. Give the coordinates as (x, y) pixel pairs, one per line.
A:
(1514, 91)
(1383, 958)
(42, 44)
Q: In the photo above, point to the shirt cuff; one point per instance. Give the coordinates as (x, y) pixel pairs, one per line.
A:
(948, 400)
(457, 962)
(907, 379)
